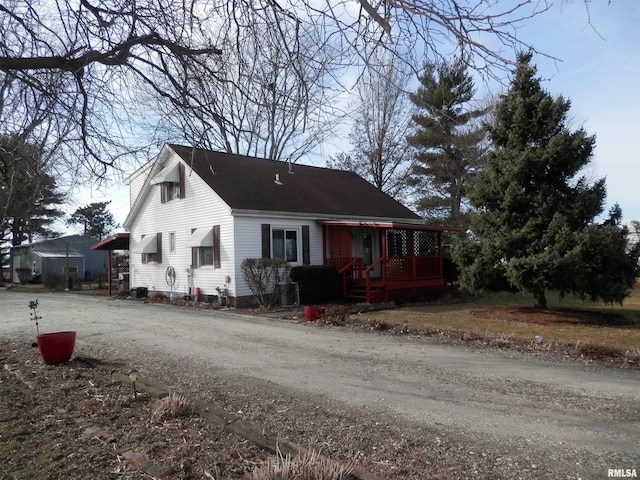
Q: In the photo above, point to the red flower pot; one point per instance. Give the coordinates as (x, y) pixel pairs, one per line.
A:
(313, 313)
(56, 347)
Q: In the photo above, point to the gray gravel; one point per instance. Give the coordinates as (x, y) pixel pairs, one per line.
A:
(578, 413)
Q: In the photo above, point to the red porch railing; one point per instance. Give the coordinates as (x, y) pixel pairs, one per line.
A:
(349, 268)
(396, 272)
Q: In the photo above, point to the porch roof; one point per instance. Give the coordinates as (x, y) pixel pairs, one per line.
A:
(394, 225)
(119, 241)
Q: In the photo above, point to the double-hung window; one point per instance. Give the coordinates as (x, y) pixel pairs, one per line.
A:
(285, 244)
(150, 246)
(205, 247)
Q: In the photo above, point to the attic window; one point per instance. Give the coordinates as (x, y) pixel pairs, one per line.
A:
(171, 181)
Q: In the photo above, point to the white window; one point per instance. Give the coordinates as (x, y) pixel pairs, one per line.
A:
(284, 244)
(205, 256)
(205, 246)
(173, 191)
(172, 242)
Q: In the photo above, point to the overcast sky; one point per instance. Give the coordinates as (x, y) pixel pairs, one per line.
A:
(598, 70)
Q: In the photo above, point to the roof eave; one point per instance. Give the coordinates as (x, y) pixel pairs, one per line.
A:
(316, 216)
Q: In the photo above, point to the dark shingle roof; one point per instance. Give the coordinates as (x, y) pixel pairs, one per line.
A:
(248, 183)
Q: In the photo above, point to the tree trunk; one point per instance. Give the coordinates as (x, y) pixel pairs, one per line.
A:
(539, 299)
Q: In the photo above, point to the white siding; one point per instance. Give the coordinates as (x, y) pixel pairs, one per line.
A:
(248, 234)
(201, 208)
(240, 237)
(136, 182)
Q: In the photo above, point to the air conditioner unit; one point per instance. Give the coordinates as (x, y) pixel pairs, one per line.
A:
(289, 294)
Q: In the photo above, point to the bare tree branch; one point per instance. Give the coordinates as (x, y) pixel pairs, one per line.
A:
(96, 56)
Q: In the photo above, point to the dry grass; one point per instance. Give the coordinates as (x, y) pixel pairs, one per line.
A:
(172, 406)
(590, 329)
(310, 466)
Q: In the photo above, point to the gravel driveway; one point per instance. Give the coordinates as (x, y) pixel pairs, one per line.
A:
(580, 414)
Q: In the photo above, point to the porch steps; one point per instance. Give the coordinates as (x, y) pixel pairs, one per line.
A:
(358, 293)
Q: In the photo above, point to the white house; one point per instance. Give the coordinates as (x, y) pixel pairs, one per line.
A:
(200, 213)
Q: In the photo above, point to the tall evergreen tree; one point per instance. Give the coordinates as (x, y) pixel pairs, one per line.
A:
(97, 222)
(535, 226)
(448, 141)
(29, 198)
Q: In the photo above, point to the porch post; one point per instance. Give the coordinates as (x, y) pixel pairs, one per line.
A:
(383, 266)
(412, 254)
(109, 270)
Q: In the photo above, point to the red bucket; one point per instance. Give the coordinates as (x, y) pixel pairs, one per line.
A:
(313, 313)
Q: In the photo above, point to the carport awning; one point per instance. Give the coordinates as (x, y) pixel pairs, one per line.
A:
(202, 237)
(148, 244)
(168, 174)
(119, 241)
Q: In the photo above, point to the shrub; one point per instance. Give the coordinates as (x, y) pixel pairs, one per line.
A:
(264, 277)
(318, 283)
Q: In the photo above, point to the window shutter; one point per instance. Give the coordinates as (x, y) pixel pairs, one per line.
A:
(143, 255)
(266, 240)
(163, 193)
(159, 247)
(306, 255)
(194, 254)
(181, 177)
(216, 246)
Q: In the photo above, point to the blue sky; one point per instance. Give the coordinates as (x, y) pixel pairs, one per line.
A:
(599, 72)
(598, 69)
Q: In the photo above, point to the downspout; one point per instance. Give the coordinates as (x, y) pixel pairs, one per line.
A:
(109, 253)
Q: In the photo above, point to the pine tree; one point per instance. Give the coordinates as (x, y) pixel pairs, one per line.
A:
(97, 222)
(535, 227)
(28, 192)
(448, 143)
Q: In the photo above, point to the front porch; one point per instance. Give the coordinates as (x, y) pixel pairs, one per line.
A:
(382, 262)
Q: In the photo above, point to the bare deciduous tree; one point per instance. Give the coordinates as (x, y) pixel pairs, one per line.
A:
(83, 56)
(272, 97)
(381, 118)
(90, 56)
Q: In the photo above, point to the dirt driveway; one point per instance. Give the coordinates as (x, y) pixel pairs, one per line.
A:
(586, 417)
